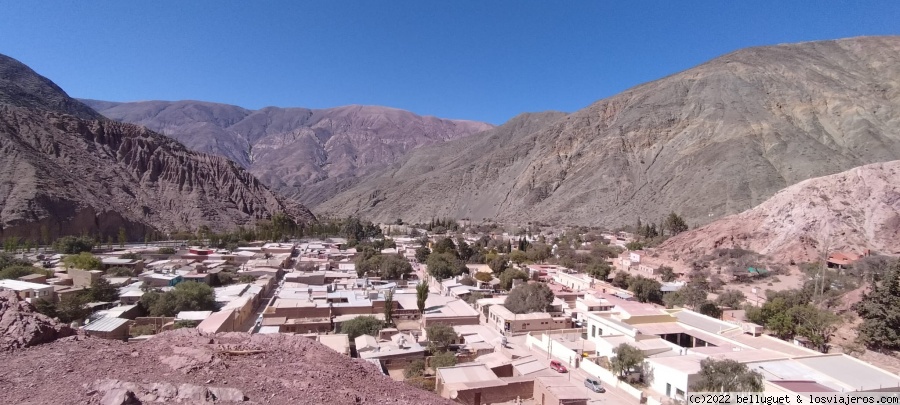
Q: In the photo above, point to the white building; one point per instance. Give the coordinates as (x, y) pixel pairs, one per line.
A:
(29, 291)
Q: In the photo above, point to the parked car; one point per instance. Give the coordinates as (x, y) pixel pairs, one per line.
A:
(558, 367)
(594, 385)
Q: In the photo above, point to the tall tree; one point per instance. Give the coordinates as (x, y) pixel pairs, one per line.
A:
(880, 312)
(388, 306)
(421, 295)
(627, 359)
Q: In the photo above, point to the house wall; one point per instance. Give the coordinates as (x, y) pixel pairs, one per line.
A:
(662, 375)
(319, 326)
(83, 278)
(452, 321)
(497, 394)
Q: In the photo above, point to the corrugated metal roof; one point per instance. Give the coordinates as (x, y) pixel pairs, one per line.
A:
(105, 325)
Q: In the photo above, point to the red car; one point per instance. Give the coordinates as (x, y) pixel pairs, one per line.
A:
(558, 367)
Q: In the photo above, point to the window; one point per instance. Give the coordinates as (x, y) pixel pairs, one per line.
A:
(593, 330)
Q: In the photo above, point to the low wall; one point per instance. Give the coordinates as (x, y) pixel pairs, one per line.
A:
(608, 378)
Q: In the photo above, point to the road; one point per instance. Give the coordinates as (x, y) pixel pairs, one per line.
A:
(612, 395)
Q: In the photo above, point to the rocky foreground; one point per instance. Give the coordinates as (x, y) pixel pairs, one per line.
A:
(182, 366)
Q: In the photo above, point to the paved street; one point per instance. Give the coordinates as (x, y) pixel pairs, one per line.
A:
(612, 395)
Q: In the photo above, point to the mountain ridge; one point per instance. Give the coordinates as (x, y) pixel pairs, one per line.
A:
(304, 153)
(61, 174)
(706, 142)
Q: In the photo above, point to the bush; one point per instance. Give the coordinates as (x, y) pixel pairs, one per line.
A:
(414, 369)
(83, 261)
(484, 277)
(443, 359)
(119, 272)
(166, 251)
(186, 296)
(70, 245)
(361, 325)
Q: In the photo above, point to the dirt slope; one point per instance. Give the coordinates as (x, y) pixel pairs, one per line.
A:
(849, 211)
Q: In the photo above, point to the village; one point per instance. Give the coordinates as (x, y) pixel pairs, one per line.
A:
(515, 330)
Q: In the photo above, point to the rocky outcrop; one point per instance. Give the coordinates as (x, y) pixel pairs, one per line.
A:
(21, 326)
(307, 154)
(707, 142)
(851, 211)
(223, 368)
(60, 174)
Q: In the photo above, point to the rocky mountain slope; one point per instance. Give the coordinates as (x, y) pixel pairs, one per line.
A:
(707, 142)
(301, 152)
(181, 366)
(61, 174)
(850, 211)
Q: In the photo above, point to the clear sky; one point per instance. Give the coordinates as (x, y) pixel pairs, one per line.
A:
(481, 60)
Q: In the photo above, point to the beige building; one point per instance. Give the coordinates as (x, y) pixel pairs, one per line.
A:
(507, 322)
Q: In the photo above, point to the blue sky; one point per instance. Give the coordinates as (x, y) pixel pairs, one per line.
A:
(481, 60)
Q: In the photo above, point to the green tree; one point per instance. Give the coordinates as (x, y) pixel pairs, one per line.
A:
(166, 251)
(727, 376)
(467, 280)
(185, 296)
(731, 299)
(498, 264)
(443, 359)
(7, 260)
(83, 261)
(633, 246)
(389, 306)
(72, 308)
(627, 359)
(422, 253)
(646, 289)
(45, 307)
(880, 312)
(14, 272)
(710, 309)
(69, 245)
(445, 245)
(102, 291)
(816, 325)
(119, 272)
(689, 295)
(246, 278)
(484, 277)
(599, 270)
(445, 265)
(421, 295)
(528, 298)
(123, 237)
(415, 368)
(507, 277)
(667, 274)
(361, 325)
(518, 257)
(440, 336)
(474, 297)
(621, 279)
(675, 224)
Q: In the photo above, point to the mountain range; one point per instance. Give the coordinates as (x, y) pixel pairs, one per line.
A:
(64, 169)
(707, 142)
(303, 153)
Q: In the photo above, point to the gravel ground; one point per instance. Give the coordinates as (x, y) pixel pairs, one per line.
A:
(188, 367)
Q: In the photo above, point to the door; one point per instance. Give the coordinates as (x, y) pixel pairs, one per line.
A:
(668, 390)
